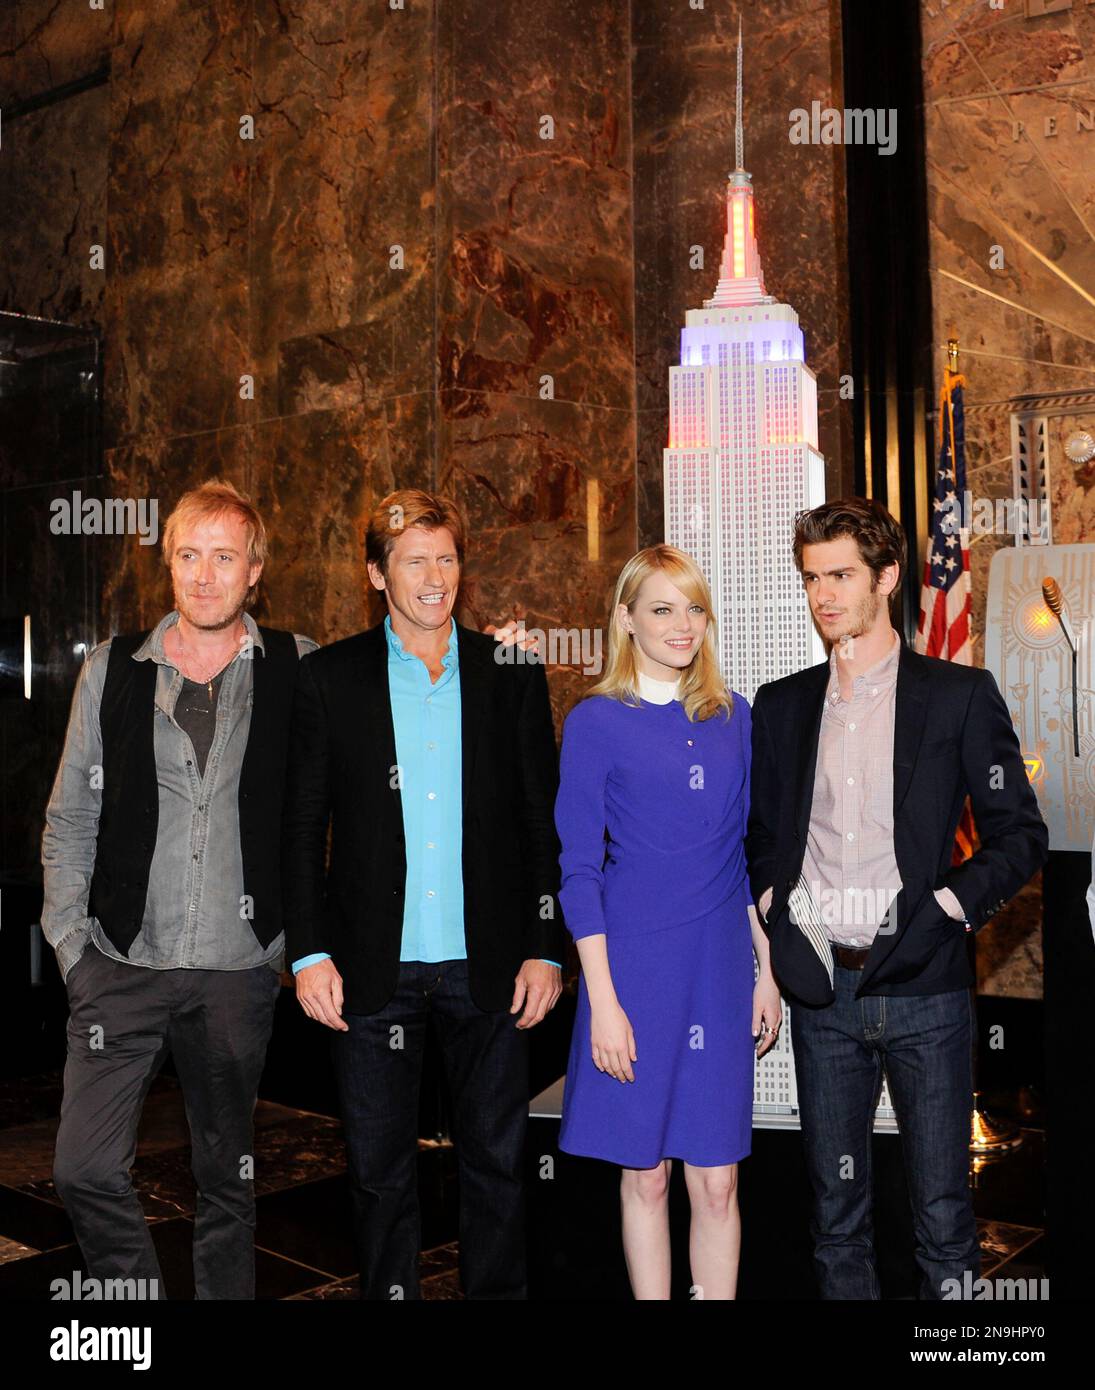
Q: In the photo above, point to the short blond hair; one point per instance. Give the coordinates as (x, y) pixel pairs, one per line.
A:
(212, 499)
(703, 691)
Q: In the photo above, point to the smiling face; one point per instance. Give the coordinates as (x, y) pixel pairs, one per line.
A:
(210, 572)
(844, 598)
(423, 575)
(668, 627)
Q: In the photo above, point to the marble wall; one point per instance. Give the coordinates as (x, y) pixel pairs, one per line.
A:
(542, 171)
(1010, 131)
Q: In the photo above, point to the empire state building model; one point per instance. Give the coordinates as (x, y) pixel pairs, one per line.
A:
(743, 457)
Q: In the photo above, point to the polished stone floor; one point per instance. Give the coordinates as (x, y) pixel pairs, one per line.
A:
(303, 1238)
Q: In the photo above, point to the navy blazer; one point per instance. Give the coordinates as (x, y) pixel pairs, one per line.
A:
(953, 737)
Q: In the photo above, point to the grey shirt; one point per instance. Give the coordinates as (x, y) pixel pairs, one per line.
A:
(196, 914)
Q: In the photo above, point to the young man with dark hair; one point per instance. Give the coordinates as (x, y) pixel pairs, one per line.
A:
(861, 768)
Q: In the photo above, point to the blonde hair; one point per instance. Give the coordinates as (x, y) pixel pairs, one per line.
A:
(213, 499)
(703, 690)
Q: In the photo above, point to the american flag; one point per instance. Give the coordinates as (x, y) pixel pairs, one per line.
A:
(944, 626)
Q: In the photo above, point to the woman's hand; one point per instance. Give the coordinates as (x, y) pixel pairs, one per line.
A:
(612, 1041)
(767, 1012)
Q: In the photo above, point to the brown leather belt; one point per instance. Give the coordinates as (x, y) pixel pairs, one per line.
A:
(850, 957)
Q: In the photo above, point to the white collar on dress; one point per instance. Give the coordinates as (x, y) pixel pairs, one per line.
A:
(658, 692)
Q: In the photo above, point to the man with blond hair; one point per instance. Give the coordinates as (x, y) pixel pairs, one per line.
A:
(434, 767)
(163, 897)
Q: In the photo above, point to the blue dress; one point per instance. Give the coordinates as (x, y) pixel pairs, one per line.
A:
(669, 891)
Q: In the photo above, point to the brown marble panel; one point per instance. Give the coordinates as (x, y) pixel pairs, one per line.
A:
(522, 472)
(177, 305)
(539, 277)
(315, 478)
(343, 171)
(968, 47)
(44, 44)
(55, 189)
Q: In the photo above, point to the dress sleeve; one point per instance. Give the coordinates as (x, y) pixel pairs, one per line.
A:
(580, 820)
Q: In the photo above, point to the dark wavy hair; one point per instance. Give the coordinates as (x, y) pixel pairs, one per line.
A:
(879, 537)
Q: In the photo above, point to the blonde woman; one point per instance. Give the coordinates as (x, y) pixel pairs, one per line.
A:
(669, 1019)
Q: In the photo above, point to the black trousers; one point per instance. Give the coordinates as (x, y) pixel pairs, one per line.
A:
(378, 1063)
(123, 1021)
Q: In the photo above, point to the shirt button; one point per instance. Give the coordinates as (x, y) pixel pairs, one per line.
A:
(429, 893)
(431, 745)
(874, 690)
(430, 844)
(850, 835)
(851, 728)
(851, 781)
(431, 796)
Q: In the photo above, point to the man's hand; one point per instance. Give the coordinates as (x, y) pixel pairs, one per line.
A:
(538, 987)
(319, 992)
(513, 631)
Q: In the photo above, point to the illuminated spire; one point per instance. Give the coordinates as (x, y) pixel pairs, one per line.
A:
(739, 137)
(741, 277)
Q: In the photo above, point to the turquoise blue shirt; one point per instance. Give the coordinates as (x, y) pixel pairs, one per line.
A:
(426, 715)
(426, 718)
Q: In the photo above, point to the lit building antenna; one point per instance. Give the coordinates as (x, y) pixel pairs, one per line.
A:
(743, 456)
(739, 135)
(741, 277)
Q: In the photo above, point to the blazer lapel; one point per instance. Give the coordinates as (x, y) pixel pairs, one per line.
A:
(809, 729)
(910, 719)
(376, 723)
(473, 701)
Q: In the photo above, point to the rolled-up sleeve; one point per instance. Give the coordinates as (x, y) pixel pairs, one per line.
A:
(580, 821)
(72, 818)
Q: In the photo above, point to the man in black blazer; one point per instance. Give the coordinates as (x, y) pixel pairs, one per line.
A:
(861, 768)
(434, 766)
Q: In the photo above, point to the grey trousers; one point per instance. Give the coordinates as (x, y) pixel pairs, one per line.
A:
(123, 1021)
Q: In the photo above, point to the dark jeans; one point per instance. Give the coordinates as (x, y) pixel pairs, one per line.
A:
(924, 1041)
(123, 1021)
(378, 1064)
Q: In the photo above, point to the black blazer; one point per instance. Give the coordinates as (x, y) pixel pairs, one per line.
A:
(341, 756)
(953, 736)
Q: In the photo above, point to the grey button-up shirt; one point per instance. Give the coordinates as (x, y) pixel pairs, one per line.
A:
(192, 916)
